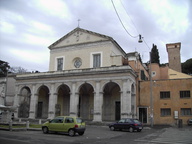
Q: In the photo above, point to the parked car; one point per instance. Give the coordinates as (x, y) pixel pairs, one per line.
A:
(66, 124)
(189, 122)
(127, 124)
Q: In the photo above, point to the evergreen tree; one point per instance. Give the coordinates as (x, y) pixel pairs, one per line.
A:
(155, 55)
(187, 66)
(4, 67)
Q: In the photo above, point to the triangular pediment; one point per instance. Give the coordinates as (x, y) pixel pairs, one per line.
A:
(79, 36)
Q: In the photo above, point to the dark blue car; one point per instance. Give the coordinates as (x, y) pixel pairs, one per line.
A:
(127, 124)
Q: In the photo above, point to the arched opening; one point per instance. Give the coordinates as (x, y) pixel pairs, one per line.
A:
(43, 102)
(24, 102)
(111, 102)
(86, 101)
(63, 101)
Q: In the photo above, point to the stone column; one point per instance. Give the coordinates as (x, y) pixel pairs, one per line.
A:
(52, 102)
(126, 99)
(74, 101)
(98, 102)
(33, 103)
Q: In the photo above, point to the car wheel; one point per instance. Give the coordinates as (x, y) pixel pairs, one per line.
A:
(131, 129)
(45, 130)
(71, 132)
(139, 130)
(112, 128)
(81, 133)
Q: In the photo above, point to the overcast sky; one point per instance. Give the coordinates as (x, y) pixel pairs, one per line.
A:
(28, 27)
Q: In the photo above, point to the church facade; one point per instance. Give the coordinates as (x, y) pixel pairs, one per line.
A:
(88, 77)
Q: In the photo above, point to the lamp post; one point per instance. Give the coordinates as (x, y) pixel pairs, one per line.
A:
(151, 92)
(151, 84)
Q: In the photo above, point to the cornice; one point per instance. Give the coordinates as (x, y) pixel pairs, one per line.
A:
(79, 72)
(81, 45)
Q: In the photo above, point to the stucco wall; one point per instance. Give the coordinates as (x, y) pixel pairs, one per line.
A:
(174, 102)
(84, 52)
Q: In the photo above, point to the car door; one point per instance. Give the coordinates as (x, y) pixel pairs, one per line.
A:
(69, 123)
(120, 124)
(127, 123)
(57, 124)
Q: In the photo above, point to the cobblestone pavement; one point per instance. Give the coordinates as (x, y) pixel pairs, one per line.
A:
(171, 135)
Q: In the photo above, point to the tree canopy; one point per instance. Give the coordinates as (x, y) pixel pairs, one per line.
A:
(187, 66)
(155, 55)
(4, 68)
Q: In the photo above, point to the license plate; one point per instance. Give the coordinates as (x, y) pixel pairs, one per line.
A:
(82, 126)
(140, 127)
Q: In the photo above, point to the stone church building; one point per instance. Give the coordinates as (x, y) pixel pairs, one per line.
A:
(88, 77)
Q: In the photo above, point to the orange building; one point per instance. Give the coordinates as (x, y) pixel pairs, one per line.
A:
(167, 97)
(172, 100)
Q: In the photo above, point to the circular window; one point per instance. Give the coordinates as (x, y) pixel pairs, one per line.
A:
(77, 63)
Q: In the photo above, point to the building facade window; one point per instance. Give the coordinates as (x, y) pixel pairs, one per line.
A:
(77, 63)
(153, 73)
(143, 77)
(59, 64)
(186, 111)
(165, 112)
(96, 60)
(185, 94)
(165, 95)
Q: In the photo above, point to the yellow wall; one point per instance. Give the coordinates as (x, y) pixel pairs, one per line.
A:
(83, 45)
(175, 75)
(175, 102)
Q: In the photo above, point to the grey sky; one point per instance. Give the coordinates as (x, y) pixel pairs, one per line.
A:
(27, 28)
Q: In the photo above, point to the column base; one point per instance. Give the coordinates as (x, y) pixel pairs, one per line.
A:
(97, 117)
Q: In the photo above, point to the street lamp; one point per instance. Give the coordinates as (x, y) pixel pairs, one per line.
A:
(151, 92)
(151, 85)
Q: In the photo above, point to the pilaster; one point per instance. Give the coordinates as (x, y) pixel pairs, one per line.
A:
(33, 103)
(16, 101)
(74, 101)
(98, 102)
(126, 99)
(52, 102)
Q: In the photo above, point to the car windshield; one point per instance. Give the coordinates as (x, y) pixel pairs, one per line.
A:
(79, 120)
(136, 121)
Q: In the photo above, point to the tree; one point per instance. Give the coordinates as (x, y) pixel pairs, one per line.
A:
(155, 55)
(187, 66)
(17, 70)
(4, 68)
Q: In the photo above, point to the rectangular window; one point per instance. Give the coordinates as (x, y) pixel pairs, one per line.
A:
(164, 95)
(184, 94)
(165, 112)
(96, 60)
(186, 111)
(59, 64)
(143, 77)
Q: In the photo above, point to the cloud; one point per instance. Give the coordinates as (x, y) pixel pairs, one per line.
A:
(29, 27)
(56, 8)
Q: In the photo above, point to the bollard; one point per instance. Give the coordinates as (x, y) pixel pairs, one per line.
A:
(10, 125)
(180, 123)
(19, 120)
(39, 121)
(27, 124)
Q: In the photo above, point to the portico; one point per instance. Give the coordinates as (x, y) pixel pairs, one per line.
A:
(100, 94)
